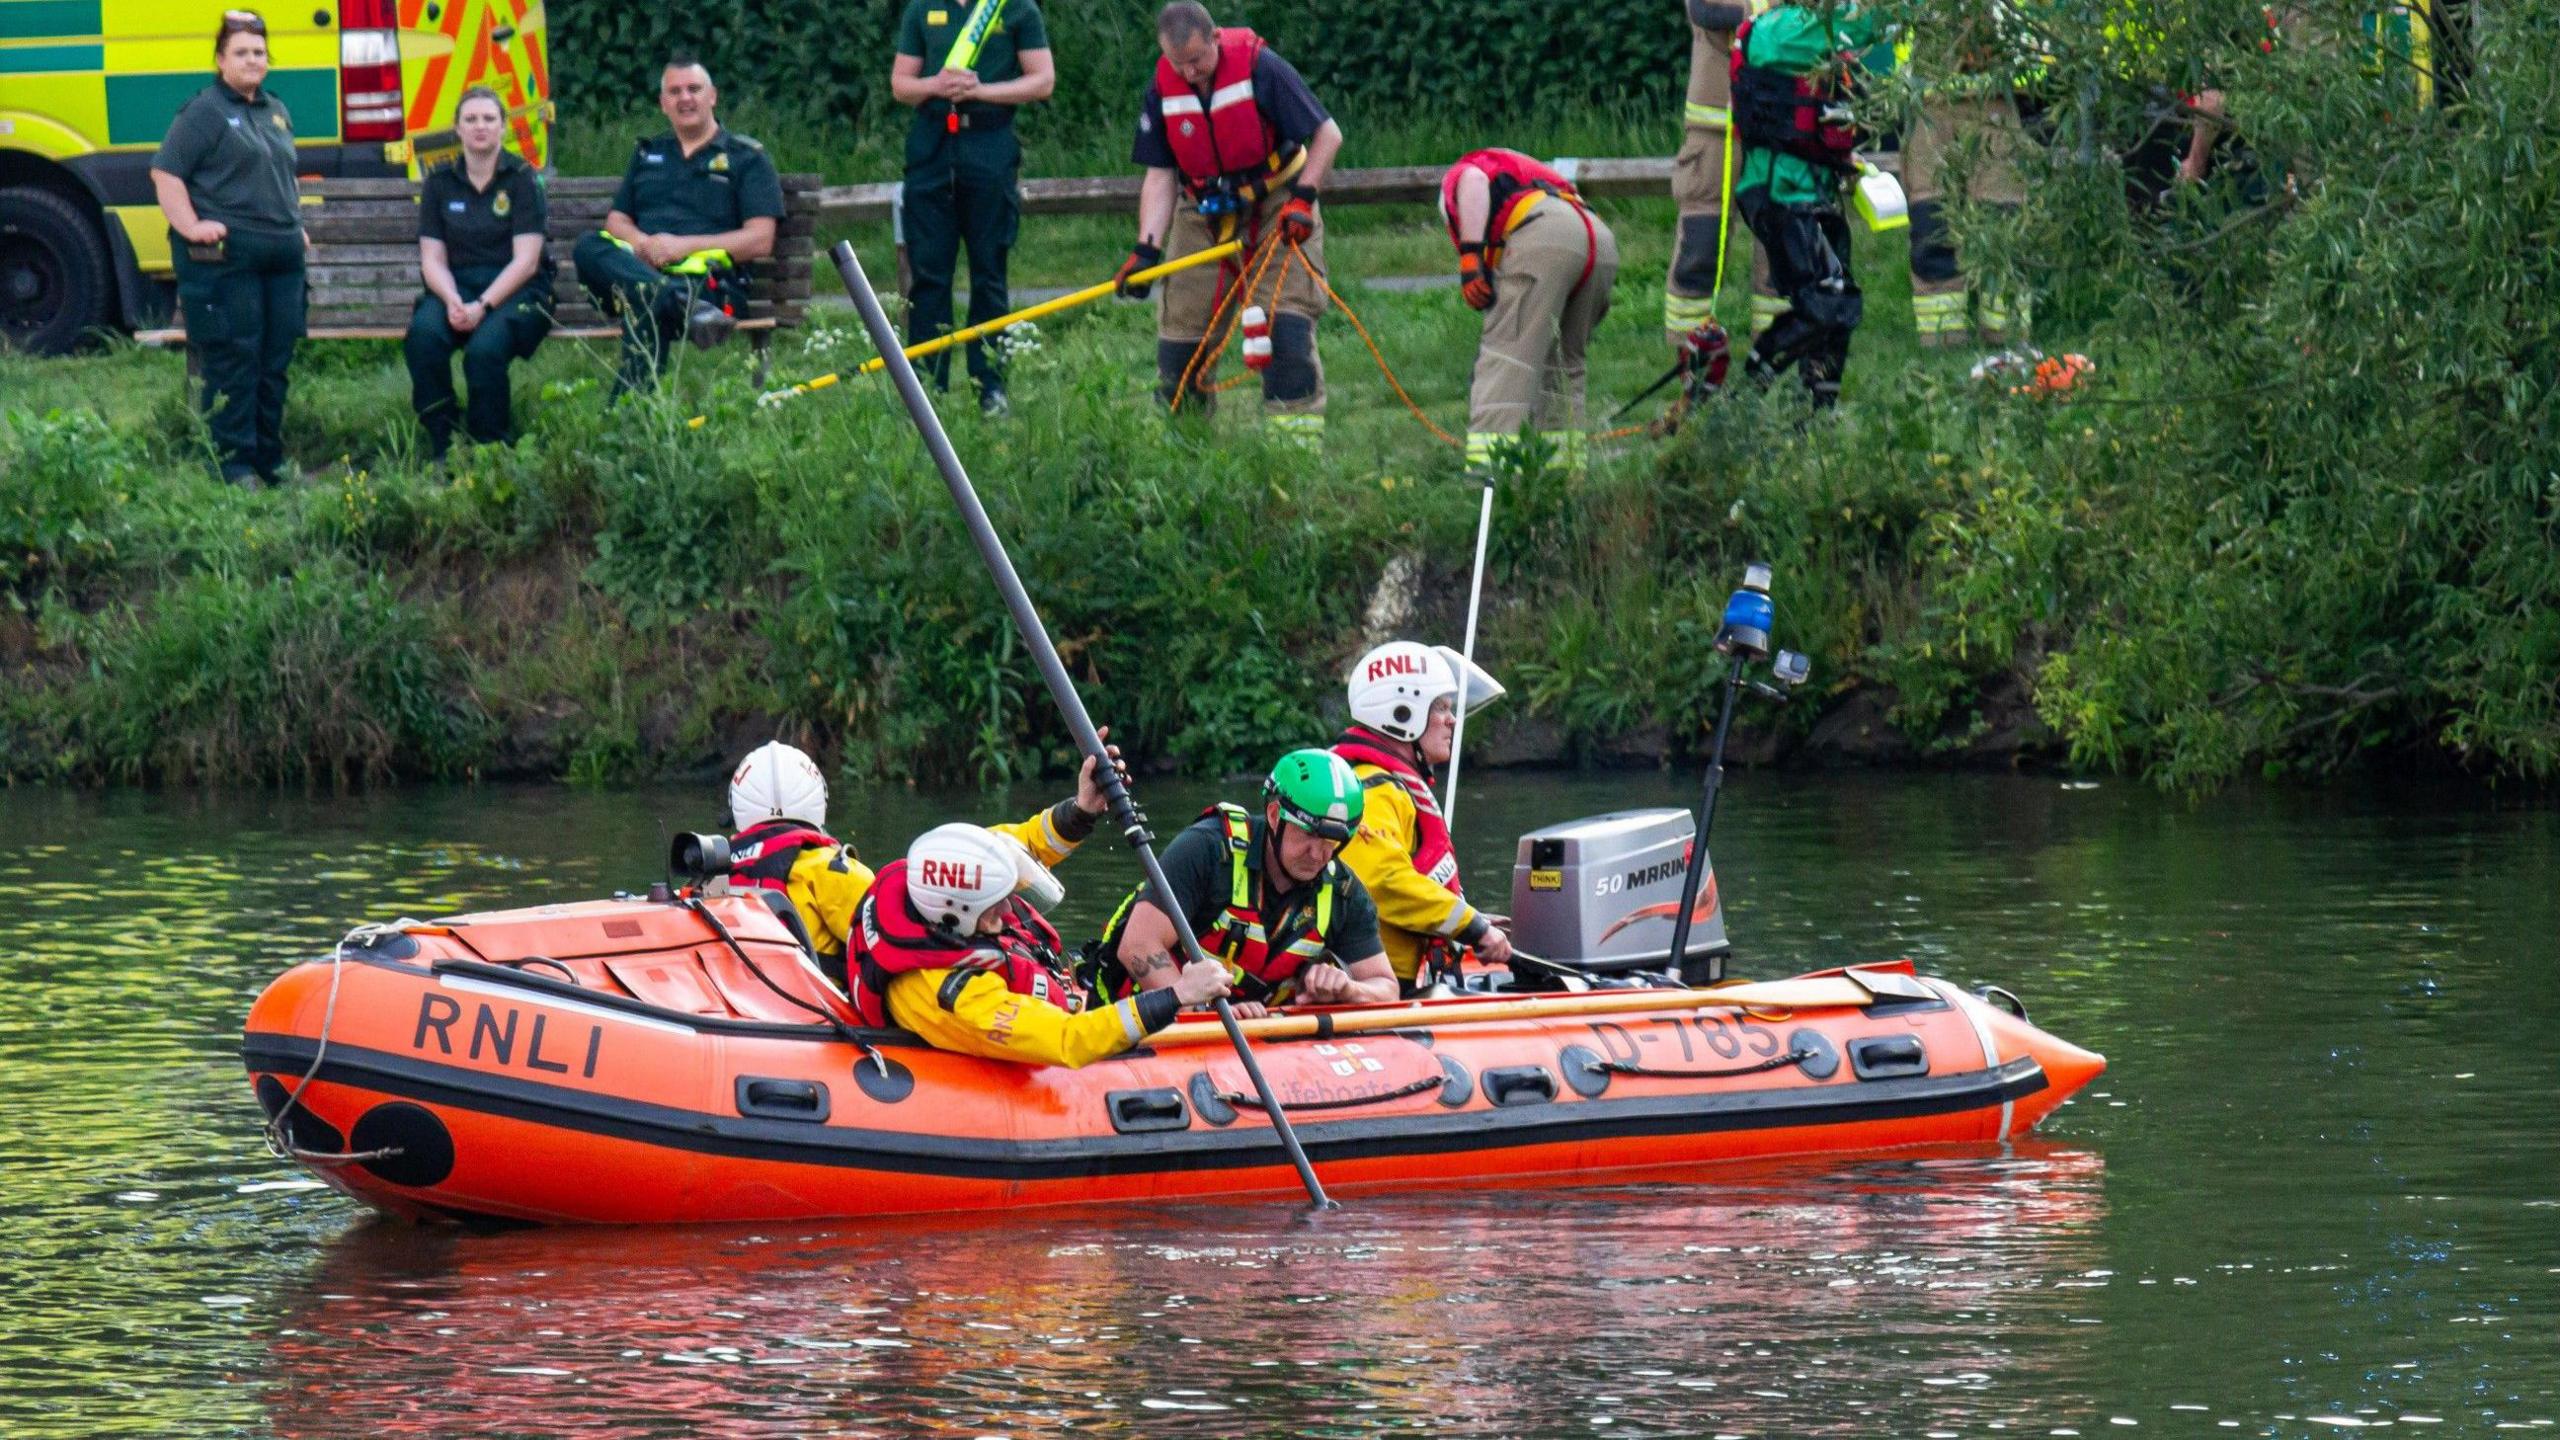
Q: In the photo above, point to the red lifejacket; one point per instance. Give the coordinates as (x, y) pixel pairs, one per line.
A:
(1264, 960)
(1226, 135)
(1267, 958)
(1432, 853)
(1514, 178)
(761, 856)
(890, 939)
(1793, 114)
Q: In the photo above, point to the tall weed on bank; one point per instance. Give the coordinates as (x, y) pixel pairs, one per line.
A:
(322, 675)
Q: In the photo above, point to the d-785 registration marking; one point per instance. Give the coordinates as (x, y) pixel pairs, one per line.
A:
(1728, 1037)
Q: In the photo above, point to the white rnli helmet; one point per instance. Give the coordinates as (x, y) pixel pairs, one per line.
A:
(957, 873)
(777, 782)
(1392, 687)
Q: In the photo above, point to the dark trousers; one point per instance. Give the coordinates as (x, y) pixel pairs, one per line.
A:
(960, 189)
(653, 304)
(505, 335)
(244, 314)
(1808, 250)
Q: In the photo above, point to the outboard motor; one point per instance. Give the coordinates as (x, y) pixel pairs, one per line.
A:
(1599, 895)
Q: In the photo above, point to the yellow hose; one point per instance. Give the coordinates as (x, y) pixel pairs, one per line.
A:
(939, 343)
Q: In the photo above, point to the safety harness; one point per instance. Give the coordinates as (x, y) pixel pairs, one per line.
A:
(1228, 153)
(1519, 185)
(1264, 959)
(761, 856)
(1433, 854)
(1805, 116)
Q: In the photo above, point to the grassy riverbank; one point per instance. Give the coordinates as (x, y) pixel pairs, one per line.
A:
(618, 595)
(2303, 518)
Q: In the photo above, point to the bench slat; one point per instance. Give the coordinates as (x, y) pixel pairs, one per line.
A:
(363, 281)
(392, 229)
(334, 266)
(567, 319)
(582, 185)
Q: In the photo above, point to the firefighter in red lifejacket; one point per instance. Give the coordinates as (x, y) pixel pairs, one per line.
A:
(949, 944)
(1227, 127)
(778, 801)
(1267, 894)
(1404, 713)
(1539, 263)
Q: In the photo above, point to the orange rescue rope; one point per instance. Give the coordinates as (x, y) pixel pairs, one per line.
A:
(1223, 321)
(1383, 367)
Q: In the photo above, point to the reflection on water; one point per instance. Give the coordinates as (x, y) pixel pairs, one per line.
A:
(2318, 1189)
(1751, 1307)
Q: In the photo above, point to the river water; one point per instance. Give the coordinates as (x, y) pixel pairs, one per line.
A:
(2317, 1190)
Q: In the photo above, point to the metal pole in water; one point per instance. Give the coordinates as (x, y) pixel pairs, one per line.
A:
(1062, 689)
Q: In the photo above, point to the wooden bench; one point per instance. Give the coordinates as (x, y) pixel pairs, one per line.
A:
(364, 281)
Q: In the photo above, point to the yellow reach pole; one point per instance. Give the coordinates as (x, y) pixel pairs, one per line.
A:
(922, 348)
(1827, 992)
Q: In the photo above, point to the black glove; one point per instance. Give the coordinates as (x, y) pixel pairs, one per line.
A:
(1145, 257)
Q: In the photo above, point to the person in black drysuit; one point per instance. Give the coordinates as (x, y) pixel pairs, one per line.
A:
(1796, 158)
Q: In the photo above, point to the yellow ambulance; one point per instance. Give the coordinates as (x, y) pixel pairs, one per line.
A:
(88, 87)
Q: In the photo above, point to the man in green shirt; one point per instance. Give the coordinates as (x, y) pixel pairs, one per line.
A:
(964, 165)
(1790, 97)
(1267, 893)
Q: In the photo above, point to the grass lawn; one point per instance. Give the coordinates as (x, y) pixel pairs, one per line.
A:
(350, 399)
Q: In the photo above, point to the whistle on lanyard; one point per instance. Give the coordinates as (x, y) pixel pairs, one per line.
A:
(964, 51)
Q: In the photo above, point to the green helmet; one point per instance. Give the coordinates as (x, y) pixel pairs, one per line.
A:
(1317, 792)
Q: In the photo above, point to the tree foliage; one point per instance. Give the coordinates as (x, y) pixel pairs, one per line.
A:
(2319, 510)
(1365, 61)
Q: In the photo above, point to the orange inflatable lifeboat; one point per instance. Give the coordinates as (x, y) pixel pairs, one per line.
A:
(627, 1061)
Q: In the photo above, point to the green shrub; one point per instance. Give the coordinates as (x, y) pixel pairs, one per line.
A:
(678, 531)
(814, 81)
(322, 674)
(65, 480)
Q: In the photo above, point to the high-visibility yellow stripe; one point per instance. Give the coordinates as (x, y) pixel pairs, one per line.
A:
(1571, 448)
(1301, 429)
(1939, 314)
(1685, 313)
(1714, 116)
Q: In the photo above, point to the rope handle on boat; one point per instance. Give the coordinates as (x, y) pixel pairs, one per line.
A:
(279, 1143)
(1774, 1062)
(1248, 1100)
(531, 960)
(292, 1151)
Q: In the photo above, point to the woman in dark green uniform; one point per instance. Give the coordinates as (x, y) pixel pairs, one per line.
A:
(480, 224)
(225, 179)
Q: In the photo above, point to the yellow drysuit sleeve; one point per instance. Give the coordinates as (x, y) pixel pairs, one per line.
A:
(986, 1019)
(1382, 856)
(827, 886)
